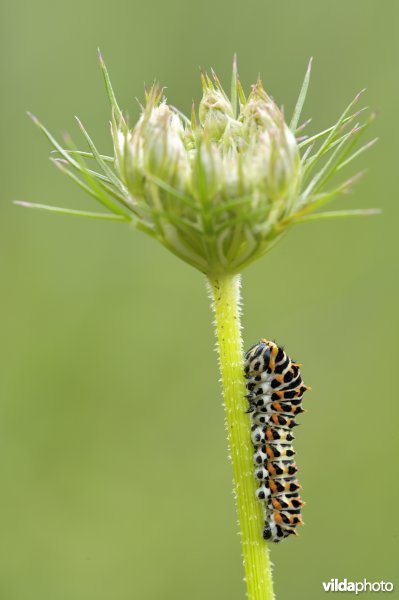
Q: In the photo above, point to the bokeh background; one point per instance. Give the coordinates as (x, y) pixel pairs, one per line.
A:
(113, 463)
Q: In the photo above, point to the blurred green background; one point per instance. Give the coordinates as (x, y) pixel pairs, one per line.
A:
(109, 489)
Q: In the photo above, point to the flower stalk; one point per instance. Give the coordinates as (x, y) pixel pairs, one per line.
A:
(225, 294)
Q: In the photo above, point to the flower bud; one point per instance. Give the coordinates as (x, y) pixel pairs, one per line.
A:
(215, 109)
(273, 151)
(219, 188)
(207, 177)
(163, 148)
(154, 148)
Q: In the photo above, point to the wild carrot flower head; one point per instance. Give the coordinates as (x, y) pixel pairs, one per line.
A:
(217, 188)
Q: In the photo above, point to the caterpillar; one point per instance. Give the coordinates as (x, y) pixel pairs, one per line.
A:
(275, 389)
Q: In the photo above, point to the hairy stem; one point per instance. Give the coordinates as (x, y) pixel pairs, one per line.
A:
(225, 293)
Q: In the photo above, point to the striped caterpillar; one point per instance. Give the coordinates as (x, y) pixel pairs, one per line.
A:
(275, 390)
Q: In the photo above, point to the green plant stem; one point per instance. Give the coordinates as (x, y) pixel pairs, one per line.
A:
(225, 291)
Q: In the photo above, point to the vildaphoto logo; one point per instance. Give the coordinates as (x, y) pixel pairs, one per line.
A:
(357, 587)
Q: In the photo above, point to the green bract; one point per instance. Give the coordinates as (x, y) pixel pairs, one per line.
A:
(219, 188)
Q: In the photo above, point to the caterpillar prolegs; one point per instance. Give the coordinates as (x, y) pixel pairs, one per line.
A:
(275, 390)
